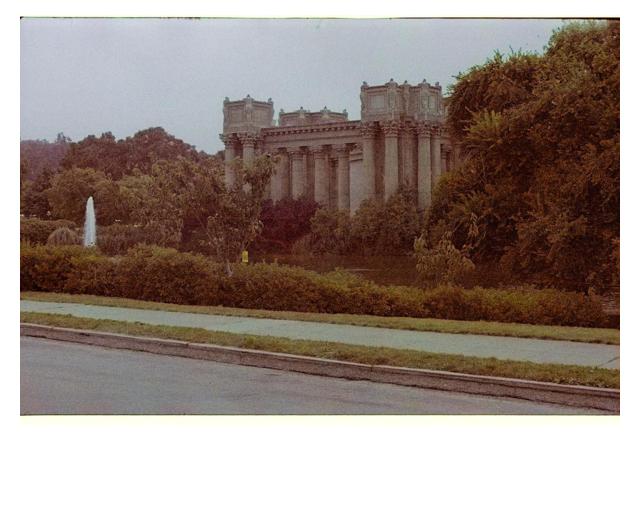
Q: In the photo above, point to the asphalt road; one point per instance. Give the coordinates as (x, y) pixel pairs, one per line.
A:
(67, 378)
(534, 350)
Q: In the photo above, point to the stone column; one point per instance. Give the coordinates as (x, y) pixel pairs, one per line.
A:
(280, 180)
(424, 166)
(320, 175)
(390, 130)
(408, 162)
(229, 157)
(367, 186)
(355, 178)
(297, 173)
(248, 147)
(436, 156)
(446, 160)
(343, 176)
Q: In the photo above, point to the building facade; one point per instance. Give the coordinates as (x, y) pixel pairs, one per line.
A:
(400, 140)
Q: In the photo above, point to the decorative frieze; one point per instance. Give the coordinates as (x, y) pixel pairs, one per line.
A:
(391, 128)
(248, 139)
(368, 130)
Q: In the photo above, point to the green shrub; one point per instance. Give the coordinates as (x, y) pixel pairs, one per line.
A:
(442, 265)
(375, 228)
(37, 231)
(45, 268)
(166, 275)
(63, 236)
(330, 231)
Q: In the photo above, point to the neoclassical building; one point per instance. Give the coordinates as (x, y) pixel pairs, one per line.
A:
(400, 140)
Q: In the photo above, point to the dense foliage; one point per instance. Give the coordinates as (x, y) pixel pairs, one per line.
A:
(38, 155)
(442, 265)
(37, 231)
(284, 222)
(117, 158)
(166, 275)
(375, 228)
(151, 188)
(63, 236)
(539, 189)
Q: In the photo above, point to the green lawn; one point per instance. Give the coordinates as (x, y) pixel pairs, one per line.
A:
(595, 335)
(556, 373)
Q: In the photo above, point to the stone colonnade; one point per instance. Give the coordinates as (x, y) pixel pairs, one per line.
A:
(321, 172)
(342, 175)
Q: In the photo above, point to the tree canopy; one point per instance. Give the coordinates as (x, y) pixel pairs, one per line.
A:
(538, 191)
(117, 158)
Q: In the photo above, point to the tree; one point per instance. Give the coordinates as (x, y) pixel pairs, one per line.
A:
(41, 155)
(118, 158)
(330, 232)
(497, 85)
(229, 215)
(388, 228)
(155, 202)
(69, 192)
(284, 222)
(401, 224)
(35, 200)
(539, 187)
(566, 235)
(366, 225)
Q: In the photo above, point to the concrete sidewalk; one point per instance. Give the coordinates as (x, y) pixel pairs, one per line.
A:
(534, 350)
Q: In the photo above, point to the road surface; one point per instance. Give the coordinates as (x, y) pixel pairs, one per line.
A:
(68, 378)
(534, 350)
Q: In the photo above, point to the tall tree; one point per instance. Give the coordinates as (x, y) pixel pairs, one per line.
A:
(539, 187)
(69, 192)
(40, 155)
(118, 158)
(229, 216)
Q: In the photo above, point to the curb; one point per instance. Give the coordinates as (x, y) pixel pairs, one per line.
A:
(570, 395)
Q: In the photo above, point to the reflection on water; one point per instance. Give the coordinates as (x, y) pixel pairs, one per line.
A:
(385, 270)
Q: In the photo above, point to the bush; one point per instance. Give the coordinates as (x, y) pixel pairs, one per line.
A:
(37, 231)
(45, 268)
(444, 264)
(166, 275)
(330, 232)
(119, 238)
(63, 236)
(375, 229)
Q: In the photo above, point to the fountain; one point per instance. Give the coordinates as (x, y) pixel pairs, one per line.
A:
(90, 224)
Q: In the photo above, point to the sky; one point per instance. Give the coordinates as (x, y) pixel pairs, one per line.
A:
(88, 76)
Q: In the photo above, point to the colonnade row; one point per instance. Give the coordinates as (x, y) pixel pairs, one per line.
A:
(343, 175)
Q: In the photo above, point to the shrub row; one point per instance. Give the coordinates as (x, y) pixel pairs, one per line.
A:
(166, 275)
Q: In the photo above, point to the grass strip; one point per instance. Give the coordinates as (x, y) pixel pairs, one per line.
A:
(555, 373)
(502, 329)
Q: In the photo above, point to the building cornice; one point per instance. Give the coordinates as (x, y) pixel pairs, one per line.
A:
(312, 128)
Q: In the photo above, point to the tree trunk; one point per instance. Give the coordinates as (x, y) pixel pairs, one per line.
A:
(228, 267)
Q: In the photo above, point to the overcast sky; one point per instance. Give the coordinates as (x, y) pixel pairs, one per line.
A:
(87, 76)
